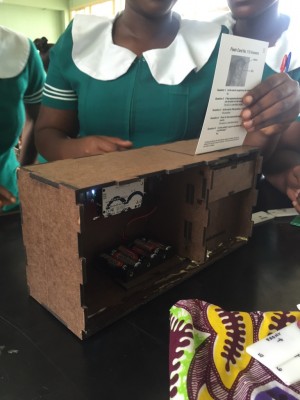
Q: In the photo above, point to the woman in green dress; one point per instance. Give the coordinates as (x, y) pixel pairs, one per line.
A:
(21, 83)
(141, 79)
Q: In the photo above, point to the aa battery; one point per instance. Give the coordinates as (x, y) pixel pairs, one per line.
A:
(117, 266)
(142, 252)
(165, 250)
(159, 245)
(125, 259)
(125, 250)
(144, 255)
(112, 261)
(148, 247)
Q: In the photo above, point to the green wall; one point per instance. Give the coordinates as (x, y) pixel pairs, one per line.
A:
(49, 4)
(29, 18)
(36, 18)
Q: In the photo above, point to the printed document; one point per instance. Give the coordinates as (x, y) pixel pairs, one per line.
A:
(239, 68)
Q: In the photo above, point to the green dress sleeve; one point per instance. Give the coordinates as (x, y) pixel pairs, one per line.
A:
(58, 92)
(36, 77)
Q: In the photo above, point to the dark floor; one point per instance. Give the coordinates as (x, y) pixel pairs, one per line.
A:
(41, 359)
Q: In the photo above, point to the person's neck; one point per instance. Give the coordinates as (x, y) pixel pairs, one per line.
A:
(268, 26)
(140, 33)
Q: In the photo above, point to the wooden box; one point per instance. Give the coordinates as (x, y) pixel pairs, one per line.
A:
(74, 210)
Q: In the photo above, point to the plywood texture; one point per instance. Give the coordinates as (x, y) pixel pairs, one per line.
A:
(189, 147)
(126, 165)
(232, 179)
(50, 228)
(32, 219)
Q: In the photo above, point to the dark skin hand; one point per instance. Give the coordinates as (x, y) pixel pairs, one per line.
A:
(293, 185)
(272, 105)
(57, 136)
(283, 171)
(28, 151)
(288, 182)
(6, 198)
(271, 108)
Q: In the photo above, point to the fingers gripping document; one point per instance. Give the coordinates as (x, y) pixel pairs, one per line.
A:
(239, 69)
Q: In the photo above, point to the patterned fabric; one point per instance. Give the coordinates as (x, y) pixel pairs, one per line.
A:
(208, 360)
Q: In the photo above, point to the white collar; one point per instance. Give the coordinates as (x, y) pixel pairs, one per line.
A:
(14, 53)
(95, 54)
(288, 42)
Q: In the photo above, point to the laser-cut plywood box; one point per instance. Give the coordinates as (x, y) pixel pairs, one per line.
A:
(201, 205)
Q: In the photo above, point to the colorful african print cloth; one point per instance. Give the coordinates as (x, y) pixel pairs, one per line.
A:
(208, 358)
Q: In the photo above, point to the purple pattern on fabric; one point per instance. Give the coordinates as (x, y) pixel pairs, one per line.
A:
(253, 381)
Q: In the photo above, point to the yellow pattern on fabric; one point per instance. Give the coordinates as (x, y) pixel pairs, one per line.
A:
(229, 367)
(271, 322)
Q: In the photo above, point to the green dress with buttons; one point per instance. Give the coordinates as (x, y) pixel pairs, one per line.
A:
(133, 106)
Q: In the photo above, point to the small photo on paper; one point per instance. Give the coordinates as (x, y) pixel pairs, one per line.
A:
(237, 72)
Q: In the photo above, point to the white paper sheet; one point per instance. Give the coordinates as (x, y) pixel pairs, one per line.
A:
(239, 68)
(280, 352)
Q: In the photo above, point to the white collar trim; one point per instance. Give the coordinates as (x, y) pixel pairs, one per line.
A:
(288, 42)
(14, 53)
(95, 54)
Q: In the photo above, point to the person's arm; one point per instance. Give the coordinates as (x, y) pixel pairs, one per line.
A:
(271, 107)
(282, 171)
(290, 139)
(6, 198)
(57, 128)
(288, 182)
(28, 151)
(32, 101)
(281, 160)
(266, 143)
(56, 137)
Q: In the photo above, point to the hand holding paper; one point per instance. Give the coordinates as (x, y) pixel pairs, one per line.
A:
(240, 103)
(239, 69)
(273, 105)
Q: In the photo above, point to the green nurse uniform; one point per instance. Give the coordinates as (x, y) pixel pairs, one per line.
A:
(158, 98)
(21, 81)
